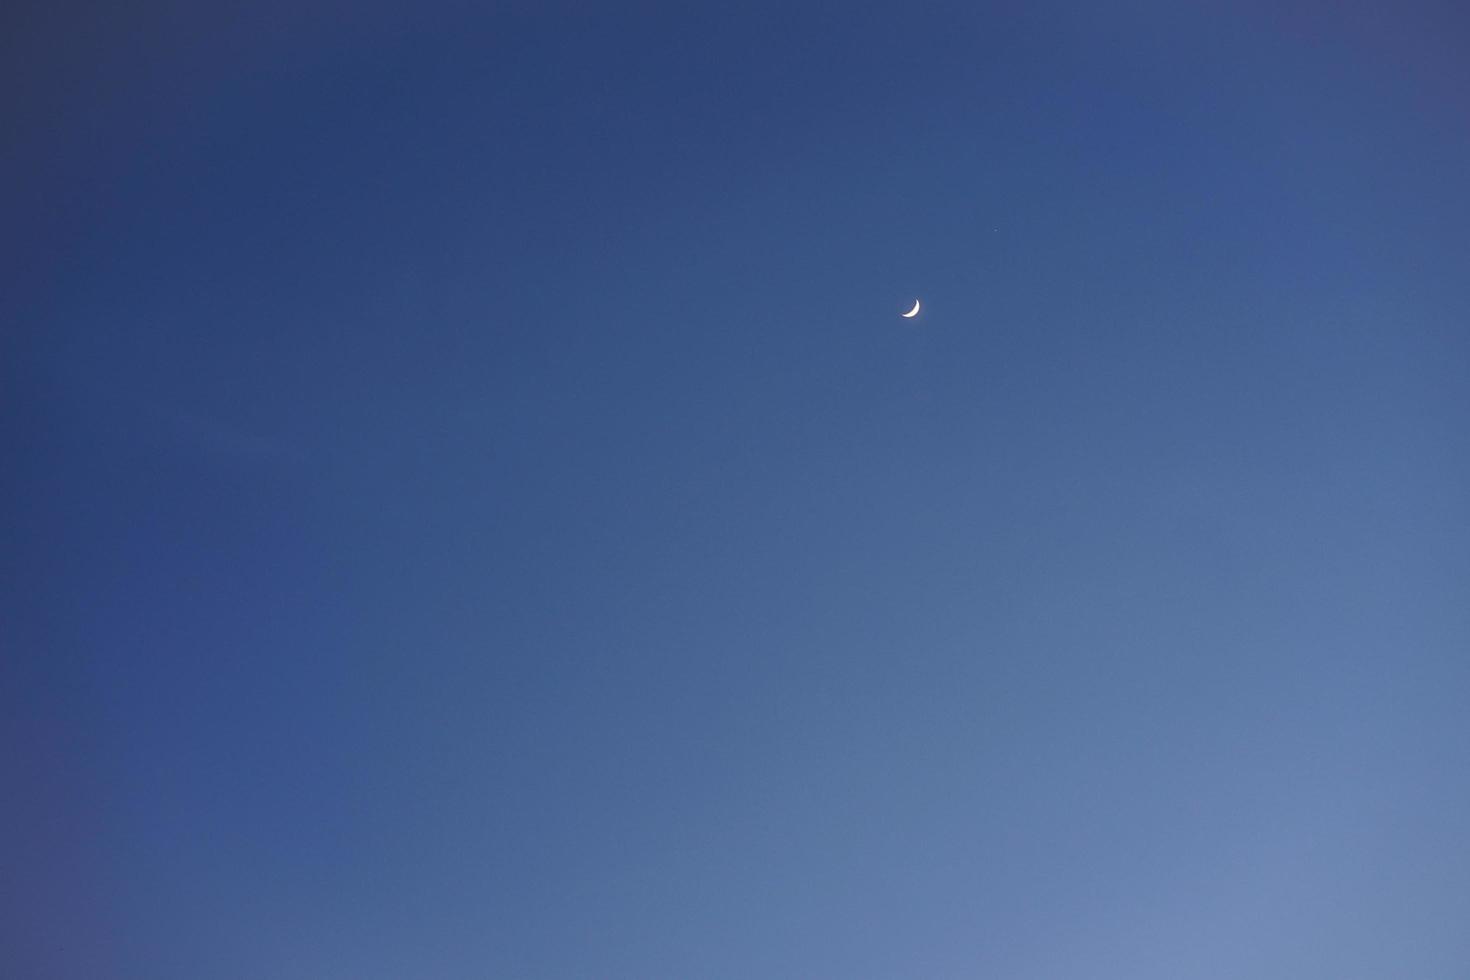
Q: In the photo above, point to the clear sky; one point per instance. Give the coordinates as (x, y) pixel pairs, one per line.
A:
(473, 508)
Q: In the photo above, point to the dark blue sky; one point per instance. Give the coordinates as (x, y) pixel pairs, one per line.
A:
(474, 510)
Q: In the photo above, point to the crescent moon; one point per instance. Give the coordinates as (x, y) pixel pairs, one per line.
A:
(914, 312)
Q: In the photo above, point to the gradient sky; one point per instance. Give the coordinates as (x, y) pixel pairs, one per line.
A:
(474, 510)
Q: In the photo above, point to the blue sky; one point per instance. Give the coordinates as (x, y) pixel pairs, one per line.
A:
(475, 510)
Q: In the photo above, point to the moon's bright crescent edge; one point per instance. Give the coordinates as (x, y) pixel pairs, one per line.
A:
(914, 312)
